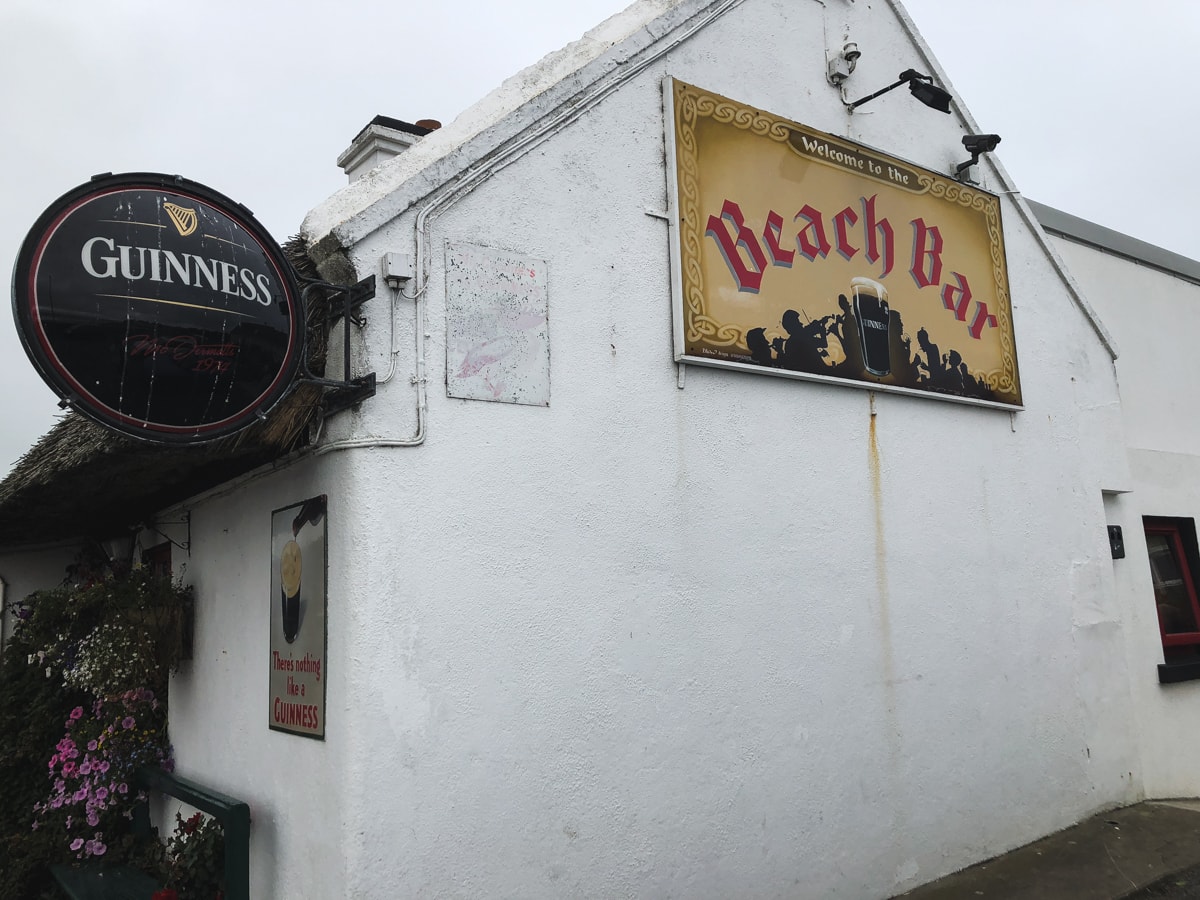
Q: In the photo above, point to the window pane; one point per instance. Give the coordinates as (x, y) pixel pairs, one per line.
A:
(1170, 592)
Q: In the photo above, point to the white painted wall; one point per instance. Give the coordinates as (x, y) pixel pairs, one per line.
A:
(28, 570)
(1153, 316)
(297, 788)
(741, 639)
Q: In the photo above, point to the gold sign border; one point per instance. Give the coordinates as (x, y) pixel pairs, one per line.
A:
(692, 104)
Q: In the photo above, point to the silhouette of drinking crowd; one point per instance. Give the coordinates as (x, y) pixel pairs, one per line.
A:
(806, 349)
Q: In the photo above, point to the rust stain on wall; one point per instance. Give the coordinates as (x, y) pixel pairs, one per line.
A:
(874, 463)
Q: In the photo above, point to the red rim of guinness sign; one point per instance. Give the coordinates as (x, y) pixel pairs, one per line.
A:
(158, 307)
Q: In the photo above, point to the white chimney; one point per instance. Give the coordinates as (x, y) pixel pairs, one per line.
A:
(382, 139)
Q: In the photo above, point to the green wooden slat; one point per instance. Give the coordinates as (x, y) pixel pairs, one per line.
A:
(92, 881)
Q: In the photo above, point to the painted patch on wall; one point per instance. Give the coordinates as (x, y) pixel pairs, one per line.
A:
(497, 326)
(806, 255)
(298, 604)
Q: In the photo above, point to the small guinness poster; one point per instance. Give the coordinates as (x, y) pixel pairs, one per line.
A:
(299, 541)
(159, 308)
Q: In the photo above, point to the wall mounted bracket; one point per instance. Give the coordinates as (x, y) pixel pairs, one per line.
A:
(349, 391)
(186, 546)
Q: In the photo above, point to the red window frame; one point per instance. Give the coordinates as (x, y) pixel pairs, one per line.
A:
(158, 559)
(1170, 530)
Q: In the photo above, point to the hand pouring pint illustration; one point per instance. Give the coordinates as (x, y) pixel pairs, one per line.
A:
(291, 564)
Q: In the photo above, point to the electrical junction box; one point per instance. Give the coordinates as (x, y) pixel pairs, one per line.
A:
(398, 268)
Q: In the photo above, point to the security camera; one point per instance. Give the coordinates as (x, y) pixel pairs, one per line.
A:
(980, 143)
(975, 144)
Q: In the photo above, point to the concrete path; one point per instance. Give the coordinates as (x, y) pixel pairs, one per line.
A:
(1149, 850)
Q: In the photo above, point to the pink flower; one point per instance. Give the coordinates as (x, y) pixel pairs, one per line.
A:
(86, 767)
(102, 766)
(128, 722)
(122, 788)
(102, 793)
(96, 847)
(91, 745)
(77, 713)
(93, 818)
(77, 844)
(68, 768)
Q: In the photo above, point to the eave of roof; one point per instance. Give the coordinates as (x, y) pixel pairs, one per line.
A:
(82, 480)
(1082, 231)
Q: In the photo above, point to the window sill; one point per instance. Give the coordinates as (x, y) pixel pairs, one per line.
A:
(1173, 673)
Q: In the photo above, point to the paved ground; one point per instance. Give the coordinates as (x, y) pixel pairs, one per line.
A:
(1183, 885)
(1150, 851)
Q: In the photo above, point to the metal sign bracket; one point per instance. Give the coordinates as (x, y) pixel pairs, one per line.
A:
(349, 391)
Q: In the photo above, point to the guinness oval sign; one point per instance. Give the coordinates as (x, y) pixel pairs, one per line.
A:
(159, 308)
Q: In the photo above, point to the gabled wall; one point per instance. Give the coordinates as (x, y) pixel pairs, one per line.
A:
(747, 637)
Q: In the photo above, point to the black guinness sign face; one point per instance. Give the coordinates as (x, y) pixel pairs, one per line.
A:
(159, 308)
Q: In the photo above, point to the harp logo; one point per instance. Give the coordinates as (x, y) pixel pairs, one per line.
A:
(182, 218)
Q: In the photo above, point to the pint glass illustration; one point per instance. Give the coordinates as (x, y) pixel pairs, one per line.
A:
(290, 565)
(874, 324)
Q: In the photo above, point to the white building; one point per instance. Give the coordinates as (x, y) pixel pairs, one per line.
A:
(601, 623)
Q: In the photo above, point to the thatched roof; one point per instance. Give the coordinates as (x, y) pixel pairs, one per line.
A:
(82, 479)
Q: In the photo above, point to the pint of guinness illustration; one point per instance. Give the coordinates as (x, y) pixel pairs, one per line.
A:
(874, 324)
(289, 589)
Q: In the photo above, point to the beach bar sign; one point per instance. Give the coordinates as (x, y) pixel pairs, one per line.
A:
(806, 255)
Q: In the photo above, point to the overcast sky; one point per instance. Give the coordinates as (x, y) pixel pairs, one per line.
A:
(256, 98)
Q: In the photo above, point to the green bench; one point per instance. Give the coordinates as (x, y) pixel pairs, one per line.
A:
(94, 881)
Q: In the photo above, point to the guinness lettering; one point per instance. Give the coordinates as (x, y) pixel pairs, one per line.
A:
(158, 307)
(214, 274)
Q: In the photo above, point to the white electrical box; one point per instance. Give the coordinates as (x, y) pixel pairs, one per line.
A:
(398, 268)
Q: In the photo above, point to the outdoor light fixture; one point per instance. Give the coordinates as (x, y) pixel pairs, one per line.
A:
(975, 144)
(921, 86)
(119, 548)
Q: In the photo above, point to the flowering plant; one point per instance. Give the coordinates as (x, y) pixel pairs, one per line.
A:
(93, 766)
(99, 647)
(122, 632)
(114, 656)
(195, 858)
